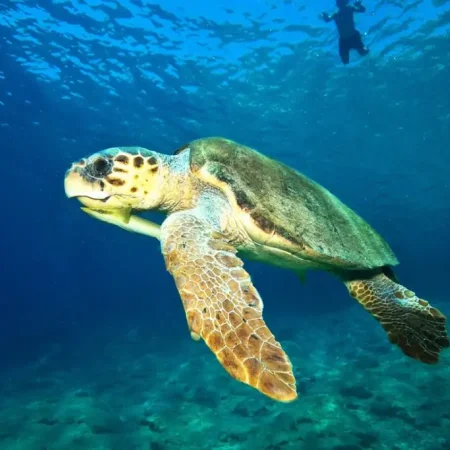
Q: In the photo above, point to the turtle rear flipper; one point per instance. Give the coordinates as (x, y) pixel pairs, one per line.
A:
(410, 322)
(222, 306)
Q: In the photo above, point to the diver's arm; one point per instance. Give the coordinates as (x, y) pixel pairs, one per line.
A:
(358, 6)
(328, 17)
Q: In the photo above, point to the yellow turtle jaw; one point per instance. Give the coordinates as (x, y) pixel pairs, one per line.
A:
(91, 192)
(115, 209)
(77, 186)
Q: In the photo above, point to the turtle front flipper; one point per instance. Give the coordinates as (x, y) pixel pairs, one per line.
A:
(410, 322)
(223, 307)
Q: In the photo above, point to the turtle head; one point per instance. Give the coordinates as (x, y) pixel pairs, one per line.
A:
(123, 178)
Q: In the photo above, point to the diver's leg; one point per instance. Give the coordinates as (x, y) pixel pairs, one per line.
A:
(359, 45)
(344, 51)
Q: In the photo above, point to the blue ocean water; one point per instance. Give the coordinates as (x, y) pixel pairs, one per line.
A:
(95, 349)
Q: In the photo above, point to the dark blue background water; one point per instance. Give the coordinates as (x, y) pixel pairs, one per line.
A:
(82, 76)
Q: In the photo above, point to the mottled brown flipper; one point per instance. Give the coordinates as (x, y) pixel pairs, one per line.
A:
(411, 323)
(223, 307)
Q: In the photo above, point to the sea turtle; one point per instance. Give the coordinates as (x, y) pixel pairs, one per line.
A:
(225, 201)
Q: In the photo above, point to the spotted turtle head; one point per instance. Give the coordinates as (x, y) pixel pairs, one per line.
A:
(117, 178)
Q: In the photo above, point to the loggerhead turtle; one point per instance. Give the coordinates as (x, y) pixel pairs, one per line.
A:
(225, 200)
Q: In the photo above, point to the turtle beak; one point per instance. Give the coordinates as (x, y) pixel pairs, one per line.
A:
(78, 185)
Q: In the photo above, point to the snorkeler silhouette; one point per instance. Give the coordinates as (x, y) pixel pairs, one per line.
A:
(349, 37)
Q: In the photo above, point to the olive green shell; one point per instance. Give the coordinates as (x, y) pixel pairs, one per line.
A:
(282, 201)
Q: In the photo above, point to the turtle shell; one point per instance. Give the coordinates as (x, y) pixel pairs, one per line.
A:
(289, 206)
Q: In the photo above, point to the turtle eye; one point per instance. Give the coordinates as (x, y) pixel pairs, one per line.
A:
(100, 168)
